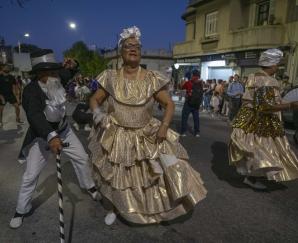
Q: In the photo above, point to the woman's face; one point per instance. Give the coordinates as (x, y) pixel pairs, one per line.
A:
(131, 51)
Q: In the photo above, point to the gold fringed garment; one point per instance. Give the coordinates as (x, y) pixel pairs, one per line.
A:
(258, 145)
(127, 161)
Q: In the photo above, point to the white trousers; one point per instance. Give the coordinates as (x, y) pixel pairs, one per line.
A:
(36, 160)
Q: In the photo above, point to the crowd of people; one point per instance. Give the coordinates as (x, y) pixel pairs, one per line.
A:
(139, 168)
(217, 97)
(79, 90)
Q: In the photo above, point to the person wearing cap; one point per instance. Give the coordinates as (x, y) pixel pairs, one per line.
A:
(140, 166)
(258, 146)
(44, 104)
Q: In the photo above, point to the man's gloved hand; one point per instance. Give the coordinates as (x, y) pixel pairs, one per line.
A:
(98, 116)
(55, 145)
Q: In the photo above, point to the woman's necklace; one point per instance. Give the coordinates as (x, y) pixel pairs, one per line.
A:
(137, 76)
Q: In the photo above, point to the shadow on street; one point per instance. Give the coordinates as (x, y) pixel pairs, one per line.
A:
(223, 171)
(10, 136)
(49, 187)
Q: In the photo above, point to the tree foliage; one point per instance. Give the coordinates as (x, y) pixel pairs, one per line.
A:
(91, 63)
(19, 3)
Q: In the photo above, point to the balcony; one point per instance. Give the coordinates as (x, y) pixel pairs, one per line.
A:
(258, 36)
(186, 48)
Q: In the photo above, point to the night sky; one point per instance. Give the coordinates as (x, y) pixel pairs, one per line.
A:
(98, 22)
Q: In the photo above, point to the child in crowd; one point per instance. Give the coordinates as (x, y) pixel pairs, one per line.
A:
(215, 102)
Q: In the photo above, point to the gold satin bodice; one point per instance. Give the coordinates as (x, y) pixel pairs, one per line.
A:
(130, 116)
(130, 103)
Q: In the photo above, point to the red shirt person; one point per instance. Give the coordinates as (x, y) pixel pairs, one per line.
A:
(187, 107)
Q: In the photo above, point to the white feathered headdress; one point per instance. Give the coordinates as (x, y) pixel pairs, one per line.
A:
(133, 31)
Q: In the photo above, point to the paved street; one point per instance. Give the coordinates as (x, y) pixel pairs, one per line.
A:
(231, 212)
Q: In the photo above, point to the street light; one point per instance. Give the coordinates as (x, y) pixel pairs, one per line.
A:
(26, 35)
(72, 25)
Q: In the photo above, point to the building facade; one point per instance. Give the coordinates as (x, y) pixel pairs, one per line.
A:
(158, 60)
(224, 37)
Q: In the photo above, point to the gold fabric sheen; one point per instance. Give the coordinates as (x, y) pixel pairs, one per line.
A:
(125, 156)
(258, 145)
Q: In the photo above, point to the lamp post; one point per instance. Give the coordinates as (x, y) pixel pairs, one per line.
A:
(26, 35)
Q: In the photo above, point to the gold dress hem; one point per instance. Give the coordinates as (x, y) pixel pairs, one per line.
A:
(141, 190)
(262, 156)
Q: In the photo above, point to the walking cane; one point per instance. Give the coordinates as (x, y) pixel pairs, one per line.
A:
(60, 194)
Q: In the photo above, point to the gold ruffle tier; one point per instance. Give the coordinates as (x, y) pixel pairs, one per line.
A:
(254, 155)
(130, 174)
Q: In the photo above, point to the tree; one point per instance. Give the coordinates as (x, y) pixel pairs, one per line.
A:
(91, 63)
(19, 3)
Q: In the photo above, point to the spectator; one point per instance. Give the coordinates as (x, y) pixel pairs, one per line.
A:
(82, 114)
(82, 91)
(226, 100)
(215, 103)
(213, 84)
(193, 100)
(9, 92)
(235, 92)
(19, 88)
(207, 96)
(220, 90)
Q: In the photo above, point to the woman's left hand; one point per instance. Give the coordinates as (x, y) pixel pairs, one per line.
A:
(161, 134)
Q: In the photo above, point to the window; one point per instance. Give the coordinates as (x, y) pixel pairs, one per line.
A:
(292, 15)
(263, 12)
(211, 24)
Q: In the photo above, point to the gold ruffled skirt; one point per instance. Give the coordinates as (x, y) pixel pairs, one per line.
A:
(129, 172)
(262, 156)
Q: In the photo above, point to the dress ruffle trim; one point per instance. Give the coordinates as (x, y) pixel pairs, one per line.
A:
(263, 156)
(165, 199)
(126, 146)
(130, 173)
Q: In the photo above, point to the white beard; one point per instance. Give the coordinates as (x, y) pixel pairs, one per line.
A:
(55, 91)
(55, 104)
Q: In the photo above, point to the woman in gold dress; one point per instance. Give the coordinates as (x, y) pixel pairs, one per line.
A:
(258, 145)
(139, 165)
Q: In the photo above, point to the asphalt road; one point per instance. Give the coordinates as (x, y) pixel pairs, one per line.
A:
(232, 212)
